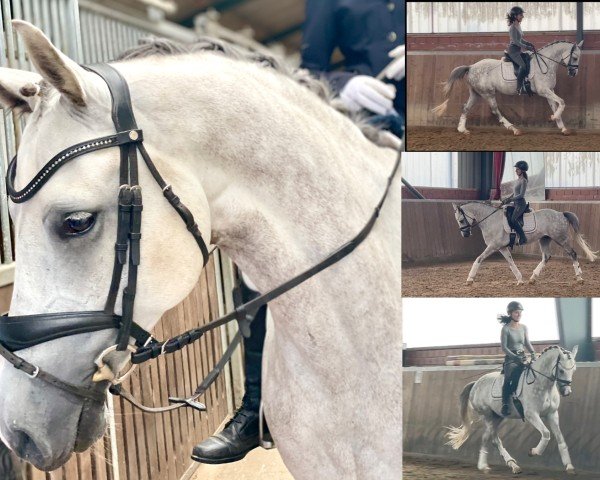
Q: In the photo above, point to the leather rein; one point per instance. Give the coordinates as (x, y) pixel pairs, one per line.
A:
(24, 331)
(561, 62)
(476, 222)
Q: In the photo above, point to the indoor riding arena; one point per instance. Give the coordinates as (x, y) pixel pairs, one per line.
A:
(437, 259)
(436, 45)
(433, 379)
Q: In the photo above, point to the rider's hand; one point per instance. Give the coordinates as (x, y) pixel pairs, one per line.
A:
(367, 92)
(396, 70)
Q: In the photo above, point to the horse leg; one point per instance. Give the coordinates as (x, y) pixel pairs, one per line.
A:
(506, 254)
(559, 122)
(573, 254)
(551, 96)
(545, 248)
(482, 463)
(462, 123)
(478, 261)
(562, 445)
(511, 462)
(491, 99)
(536, 422)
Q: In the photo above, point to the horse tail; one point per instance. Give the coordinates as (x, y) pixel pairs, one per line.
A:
(574, 221)
(457, 74)
(458, 435)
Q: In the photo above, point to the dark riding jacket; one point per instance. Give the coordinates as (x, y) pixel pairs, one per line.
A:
(364, 30)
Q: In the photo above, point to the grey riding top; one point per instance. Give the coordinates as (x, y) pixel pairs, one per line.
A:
(519, 189)
(516, 39)
(515, 340)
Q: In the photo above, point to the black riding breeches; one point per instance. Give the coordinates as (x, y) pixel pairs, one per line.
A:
(520, 208)
(512, 373)
(517, 57)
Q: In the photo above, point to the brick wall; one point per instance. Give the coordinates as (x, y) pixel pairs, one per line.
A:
(437, 193)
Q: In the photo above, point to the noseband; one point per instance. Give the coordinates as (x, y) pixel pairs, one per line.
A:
(24, 331)
(469, 226)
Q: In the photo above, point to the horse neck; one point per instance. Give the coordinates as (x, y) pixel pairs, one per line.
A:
(547, 361)
(556, 51)
(287, 179)
(478, 210)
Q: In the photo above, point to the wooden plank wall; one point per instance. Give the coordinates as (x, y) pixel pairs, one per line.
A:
(432, 57)
(430, 233)
(159, 446)
(432, 403)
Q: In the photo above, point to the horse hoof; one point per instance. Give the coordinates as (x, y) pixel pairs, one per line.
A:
(520, 282)
(571, 470)
(517, 132)
(485, 470)
(470, 281)
(465, 132)
(579, 280)
(532, 280)
(566, 132)
(531, 453)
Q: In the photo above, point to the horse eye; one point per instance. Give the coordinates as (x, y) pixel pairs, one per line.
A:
(78, 223)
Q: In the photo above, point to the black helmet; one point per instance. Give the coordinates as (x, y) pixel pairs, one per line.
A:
(514, 11)
(522, 165)
(512, 306)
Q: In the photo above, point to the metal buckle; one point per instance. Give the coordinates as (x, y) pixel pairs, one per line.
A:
(268, 443)
(34, 374)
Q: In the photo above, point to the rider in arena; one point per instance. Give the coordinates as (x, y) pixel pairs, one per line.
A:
(514, 340)
(370, 34)
(518, 199)
(514, 18)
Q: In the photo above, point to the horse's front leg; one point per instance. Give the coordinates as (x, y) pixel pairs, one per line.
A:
(538, 424)
(491, 99)
(506, 254)
(477, 263)
(557, 105)
(562, 445)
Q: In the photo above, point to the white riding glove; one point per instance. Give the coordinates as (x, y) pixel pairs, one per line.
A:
(396, 70)
(367, 92)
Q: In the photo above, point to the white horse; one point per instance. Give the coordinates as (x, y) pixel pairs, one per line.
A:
(538, 391)
(277, 179)
(551, 225)
(486, 79)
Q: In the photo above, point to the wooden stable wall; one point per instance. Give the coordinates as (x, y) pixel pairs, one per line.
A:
(432, 57)
(430, 403)
(430, 232)
(149, 446)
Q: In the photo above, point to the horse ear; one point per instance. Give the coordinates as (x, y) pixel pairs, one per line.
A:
(574, 351)
(580, 44)
(454, 205)
(56, 68)
(19, 90)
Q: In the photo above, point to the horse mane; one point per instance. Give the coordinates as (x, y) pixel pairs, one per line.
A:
(555, 42)
(154, 46)
(555, 347)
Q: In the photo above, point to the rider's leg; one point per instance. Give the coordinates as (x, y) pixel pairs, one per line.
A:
(462, 123)
(516, 57)
(509, 367)
(519, 209)
(241, 433)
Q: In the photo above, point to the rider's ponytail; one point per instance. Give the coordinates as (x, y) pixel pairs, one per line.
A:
(510, 18)
(505, 319)
(525, 175)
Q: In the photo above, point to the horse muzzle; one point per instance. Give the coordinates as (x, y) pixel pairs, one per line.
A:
(572, 71)
(565, 391)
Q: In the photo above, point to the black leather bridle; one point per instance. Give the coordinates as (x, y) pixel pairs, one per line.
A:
(24, 331)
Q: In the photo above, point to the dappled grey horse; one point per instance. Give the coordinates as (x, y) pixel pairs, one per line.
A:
(551, 225)
(488, 77)
(538, 391)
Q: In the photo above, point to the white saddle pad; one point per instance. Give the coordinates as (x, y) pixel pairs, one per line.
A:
(529, 225)
(508, 72)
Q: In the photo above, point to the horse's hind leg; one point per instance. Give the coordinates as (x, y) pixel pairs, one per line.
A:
(462, 123)
(477, 263)
(511, 462)
(562, 445)
(573, 254)
(511, 263)
(545, 248)
(491, 99)
(482, 463)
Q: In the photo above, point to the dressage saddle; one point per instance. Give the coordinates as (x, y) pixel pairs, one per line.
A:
(526, 58)
(508, 211)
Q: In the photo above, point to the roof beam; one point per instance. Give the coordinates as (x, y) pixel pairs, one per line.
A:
(276, 37)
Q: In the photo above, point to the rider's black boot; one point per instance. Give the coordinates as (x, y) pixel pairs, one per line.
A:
(241, 434)
(519, 229)
(505, 398)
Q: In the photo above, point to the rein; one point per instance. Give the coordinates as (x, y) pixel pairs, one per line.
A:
(561, 62)
(553, 378)
(475, 221)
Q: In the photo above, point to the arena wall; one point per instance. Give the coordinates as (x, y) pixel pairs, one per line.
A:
(430, 396)
(432, 57)
(430, 232)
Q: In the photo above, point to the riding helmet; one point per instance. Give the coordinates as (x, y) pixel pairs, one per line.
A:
(512, 306)
(514, 11)
(522, 165)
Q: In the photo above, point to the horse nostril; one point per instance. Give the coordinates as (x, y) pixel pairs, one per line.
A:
(26, 448)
